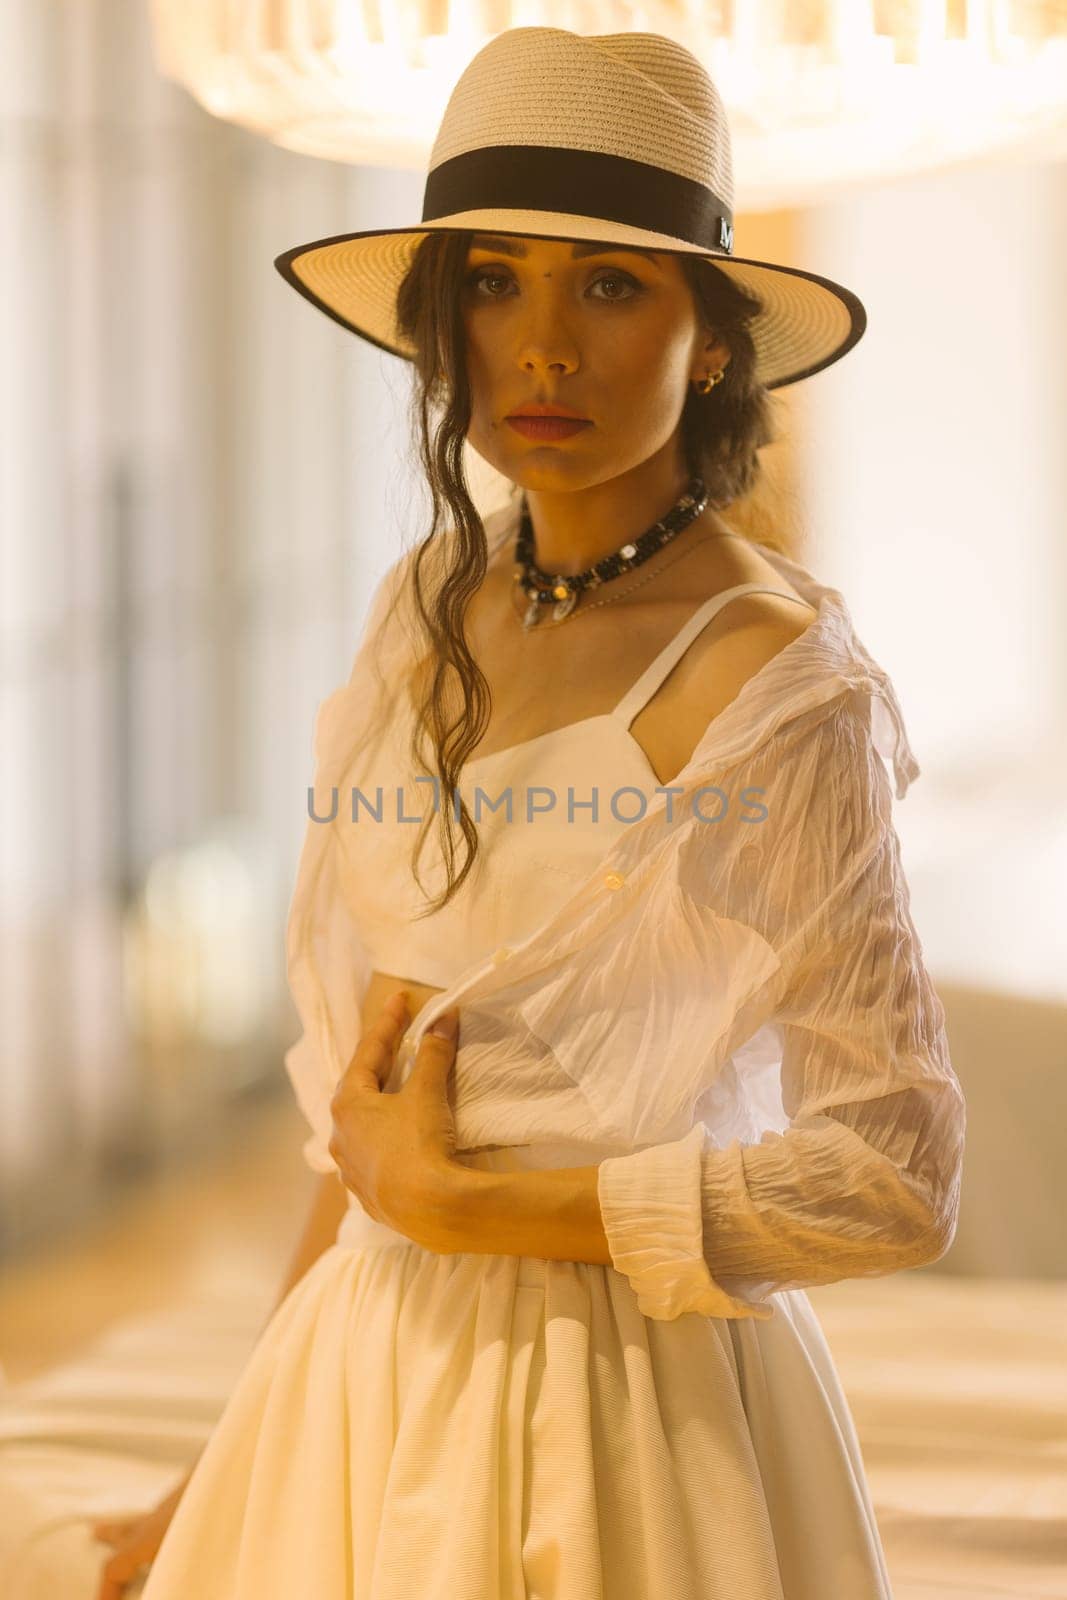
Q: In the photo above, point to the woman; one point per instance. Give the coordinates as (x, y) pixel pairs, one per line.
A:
(548, 1336)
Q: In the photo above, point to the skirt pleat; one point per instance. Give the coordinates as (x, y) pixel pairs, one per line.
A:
(477, 1427)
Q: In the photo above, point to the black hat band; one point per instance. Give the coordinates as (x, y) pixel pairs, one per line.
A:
(586, 183)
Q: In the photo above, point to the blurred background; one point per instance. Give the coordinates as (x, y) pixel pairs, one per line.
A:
(202, 478)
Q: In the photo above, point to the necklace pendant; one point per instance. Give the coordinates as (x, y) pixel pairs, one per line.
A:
(563, 608)
(532, 614)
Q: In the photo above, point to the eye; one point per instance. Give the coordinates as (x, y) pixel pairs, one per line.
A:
(620, 277)
(485, 274)
(613, 275)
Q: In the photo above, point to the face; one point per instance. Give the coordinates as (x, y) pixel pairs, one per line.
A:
(611, 332)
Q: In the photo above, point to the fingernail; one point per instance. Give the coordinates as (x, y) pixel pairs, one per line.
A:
(446, 1025)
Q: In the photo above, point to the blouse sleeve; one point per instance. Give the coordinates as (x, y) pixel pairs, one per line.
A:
(328, 966)
(865, 1180)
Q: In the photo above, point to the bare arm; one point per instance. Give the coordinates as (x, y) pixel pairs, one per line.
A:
(328, 1207)
(550, 1213)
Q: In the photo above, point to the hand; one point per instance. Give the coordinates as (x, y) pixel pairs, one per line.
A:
(135, 1541)
(396, 1151)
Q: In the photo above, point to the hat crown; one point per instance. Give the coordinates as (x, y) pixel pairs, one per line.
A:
(639, 96)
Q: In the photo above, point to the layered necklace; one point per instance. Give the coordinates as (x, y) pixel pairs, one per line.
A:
(561, 590)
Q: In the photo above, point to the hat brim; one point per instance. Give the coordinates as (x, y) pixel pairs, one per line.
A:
(807, 323)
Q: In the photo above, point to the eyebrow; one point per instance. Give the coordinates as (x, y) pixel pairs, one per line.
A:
(514, 247)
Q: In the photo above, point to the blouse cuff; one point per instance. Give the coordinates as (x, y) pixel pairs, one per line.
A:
(650, 1206)
(313, 1097)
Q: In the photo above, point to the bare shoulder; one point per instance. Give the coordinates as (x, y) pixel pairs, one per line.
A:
(751, 629)
(733, 561)
(737, 644)
(744, 636)
(759, 627)
(770, 620)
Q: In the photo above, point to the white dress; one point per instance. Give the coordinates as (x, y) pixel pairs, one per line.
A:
(480, 1427)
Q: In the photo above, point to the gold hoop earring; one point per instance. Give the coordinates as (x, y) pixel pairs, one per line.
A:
(706, 384)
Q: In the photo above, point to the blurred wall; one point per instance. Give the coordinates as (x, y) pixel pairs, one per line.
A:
(197, 481)
(937, 487)
(938, 493)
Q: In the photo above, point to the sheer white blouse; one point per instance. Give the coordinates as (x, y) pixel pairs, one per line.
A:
(736, 1018)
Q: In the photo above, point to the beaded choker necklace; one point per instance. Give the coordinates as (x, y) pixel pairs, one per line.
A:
(541, 588)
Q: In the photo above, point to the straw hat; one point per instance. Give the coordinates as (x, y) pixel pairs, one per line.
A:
(618, 137)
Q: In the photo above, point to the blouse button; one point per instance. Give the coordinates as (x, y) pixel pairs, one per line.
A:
(501, 955)
(614, 880)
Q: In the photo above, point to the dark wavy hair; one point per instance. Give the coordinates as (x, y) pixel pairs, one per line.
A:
(722, 434)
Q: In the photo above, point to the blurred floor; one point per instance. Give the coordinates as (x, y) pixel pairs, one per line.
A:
(169, 1237)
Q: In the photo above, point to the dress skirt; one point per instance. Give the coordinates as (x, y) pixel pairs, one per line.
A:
(481, 1427)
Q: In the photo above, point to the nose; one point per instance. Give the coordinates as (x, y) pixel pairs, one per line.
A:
(544, 342)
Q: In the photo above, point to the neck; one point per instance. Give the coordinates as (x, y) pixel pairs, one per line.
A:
(573, 529)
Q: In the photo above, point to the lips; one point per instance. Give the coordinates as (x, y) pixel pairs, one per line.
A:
(548, 408)
(547, 428)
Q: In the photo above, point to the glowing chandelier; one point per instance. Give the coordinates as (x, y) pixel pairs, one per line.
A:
(820, 92)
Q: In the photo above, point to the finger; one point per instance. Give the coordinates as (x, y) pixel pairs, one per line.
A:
(130, 1558)
(124, 1566)
(114, 1588)
(437, 1050)
(391, 1020)
(111, 1587)
(114, 1528)
(446, 1026)
(400, 1001)
(376, 1048)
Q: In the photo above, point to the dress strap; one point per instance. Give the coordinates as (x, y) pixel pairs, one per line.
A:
(650, 680)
